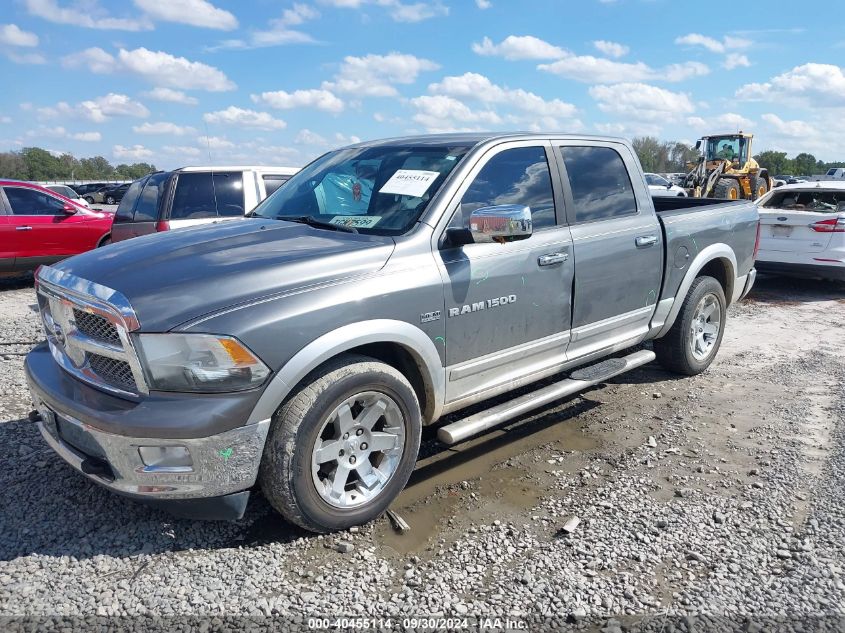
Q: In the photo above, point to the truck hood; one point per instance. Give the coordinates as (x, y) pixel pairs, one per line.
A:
(177, 276)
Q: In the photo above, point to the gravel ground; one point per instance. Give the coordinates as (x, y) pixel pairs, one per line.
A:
(711, 500)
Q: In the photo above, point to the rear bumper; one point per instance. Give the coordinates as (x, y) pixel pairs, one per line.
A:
(749, 282)
(816, 271)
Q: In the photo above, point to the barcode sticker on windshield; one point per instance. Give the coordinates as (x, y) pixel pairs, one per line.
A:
(356, 221)
(410, 182)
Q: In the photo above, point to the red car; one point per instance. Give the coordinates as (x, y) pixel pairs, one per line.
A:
(39, 226)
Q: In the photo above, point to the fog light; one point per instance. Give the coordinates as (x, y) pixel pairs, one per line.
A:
(166, 457)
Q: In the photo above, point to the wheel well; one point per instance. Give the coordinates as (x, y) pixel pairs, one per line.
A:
(105, 237)
(722, 271)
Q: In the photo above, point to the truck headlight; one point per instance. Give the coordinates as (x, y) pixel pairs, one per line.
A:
(204, 363)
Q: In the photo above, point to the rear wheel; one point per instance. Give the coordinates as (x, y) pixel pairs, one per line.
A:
(109, 200)
(761, 187)
(694, 339)
(342, 447)
(726, 189)
(89, 199)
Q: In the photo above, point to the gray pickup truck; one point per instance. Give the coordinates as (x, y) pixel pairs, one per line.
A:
(385, 285)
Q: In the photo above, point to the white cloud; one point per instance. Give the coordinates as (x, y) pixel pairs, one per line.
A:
(278, 31)
(319, 99)
(483, 4)
(736, 60)
(215, 142)
(642, 102)
(794, 129)
(440, 113)
(307, 137)
(241, 117)
(727, 122)
(713, 45)
(13, 35)
(589, 69)
(611, 49)
(182, 150)
(530, 109)
(135, 152)
(194, 12)
(398, 11)
(375, 75)
(163, 127)
(811, 85)
(91, 16)
(27, 58)
(94, 59)
(99, 109)
(88, 137)
(515, 47)
(157, 67)
(170, 95)
(164, 69)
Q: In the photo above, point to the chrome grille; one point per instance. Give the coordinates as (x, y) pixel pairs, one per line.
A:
(87, 328)
(117, 373)
(95, 326)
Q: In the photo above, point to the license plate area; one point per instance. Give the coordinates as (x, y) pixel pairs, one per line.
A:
(781, 231)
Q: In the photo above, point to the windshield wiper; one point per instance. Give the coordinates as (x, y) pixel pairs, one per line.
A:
(310, 221)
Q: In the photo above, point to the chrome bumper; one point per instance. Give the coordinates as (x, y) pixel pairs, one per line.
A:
(221, 464)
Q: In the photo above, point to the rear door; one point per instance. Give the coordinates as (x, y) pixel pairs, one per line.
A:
(124, 226)
(789, 222)
(618, 245)
(507, 308)
(203, 197)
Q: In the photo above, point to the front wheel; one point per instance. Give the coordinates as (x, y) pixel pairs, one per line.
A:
(110, 200)
(694, 339)
(726, 189)
(343, 446)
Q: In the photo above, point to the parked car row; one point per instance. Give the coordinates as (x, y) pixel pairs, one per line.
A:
(42, 225)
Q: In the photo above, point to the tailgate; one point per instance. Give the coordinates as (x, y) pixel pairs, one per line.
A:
(791, 231)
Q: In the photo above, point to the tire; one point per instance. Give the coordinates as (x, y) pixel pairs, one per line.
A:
(675, 351)
(727, 189)
(291, 475)
(89, 199)
(760, 187)
(105, 241)
(109, 200)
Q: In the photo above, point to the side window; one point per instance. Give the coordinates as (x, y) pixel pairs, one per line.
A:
(32, 202)
(601, 187)
(514, 176)
(273, 182)
(147, 208)
(199, 195)
(127, 203)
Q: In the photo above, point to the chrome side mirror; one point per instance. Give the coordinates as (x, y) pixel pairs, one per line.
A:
(501, 223)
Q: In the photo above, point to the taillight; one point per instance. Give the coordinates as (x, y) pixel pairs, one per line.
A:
(162, 225)
(757, 241)
(833, 225)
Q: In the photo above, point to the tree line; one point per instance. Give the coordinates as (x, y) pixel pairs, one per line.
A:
(34, 163)
(672, 156)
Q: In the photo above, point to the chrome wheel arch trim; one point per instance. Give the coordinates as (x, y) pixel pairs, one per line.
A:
(712, 252)
(348, 337)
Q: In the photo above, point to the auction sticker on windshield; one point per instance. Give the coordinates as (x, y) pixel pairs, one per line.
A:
(410, 182)
(356, 221)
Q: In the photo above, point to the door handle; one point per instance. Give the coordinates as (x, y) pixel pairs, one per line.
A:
(644, 241)
(23, 228)
(550, 259)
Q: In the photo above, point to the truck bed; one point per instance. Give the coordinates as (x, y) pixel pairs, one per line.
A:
(692, 224)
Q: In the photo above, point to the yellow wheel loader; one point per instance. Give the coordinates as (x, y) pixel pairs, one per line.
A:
(726, 169)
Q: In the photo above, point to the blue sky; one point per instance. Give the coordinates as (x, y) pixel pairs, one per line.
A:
(178, 82)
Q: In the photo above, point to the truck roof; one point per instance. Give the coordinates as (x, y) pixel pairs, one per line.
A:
(268, 168)
(475, 138)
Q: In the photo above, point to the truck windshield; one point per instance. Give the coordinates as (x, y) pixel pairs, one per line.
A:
(381, 190)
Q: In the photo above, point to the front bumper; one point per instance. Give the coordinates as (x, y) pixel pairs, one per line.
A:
(222, 463)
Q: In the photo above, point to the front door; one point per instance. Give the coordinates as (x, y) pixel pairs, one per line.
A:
(618, 246)
(507, 306)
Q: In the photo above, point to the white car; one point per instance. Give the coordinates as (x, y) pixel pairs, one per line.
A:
(802, 230)
(67, 192)
(660, 186)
